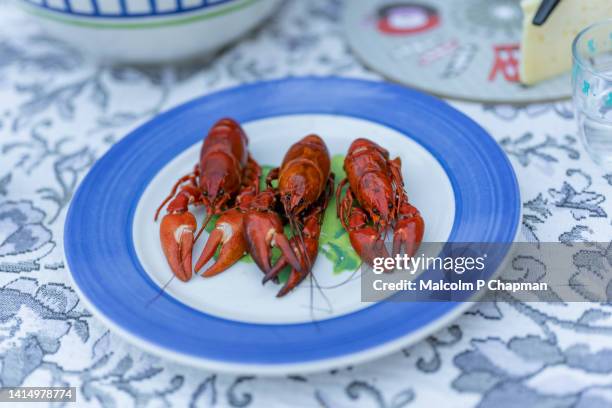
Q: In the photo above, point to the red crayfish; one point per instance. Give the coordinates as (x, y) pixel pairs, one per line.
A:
(225, 181)
(305, 184)
(376, 200)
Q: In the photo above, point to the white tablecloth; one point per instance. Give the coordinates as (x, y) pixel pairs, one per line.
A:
(59, 113)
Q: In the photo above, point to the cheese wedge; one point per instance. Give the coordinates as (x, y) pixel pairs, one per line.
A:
(546, 51)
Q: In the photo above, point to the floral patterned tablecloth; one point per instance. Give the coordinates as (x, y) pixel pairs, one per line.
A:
(59, 113)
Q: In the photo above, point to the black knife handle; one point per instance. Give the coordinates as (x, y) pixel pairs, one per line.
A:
(545, 10)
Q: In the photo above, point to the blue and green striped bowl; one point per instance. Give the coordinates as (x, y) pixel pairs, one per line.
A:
(149, 30)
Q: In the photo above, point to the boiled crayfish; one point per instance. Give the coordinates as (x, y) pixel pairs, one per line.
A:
(224, 171)
(305, 184)
(376, 200)
(226, 182)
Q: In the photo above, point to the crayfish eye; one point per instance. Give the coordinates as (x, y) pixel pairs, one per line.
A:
(205, 193)
(375, 211)
(390, 205)
(221, 192)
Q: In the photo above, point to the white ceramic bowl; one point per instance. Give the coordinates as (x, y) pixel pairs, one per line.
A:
(149, 30)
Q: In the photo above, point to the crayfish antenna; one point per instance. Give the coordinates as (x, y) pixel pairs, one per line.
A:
(161, 291)
(296, 231)
(204, 224)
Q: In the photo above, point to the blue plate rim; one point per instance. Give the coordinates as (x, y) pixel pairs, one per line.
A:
(311, 361)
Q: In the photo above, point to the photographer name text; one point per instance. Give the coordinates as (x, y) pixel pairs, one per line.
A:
(442, 285)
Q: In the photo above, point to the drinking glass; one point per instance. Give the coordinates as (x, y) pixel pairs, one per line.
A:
(592, 89)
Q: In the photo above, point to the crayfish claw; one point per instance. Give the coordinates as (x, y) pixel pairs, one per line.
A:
(295, 278)
(408, 232)
(367, 244)
(281, 241)
(260, 228)
(307, 252)
(264, 230)
(176, 237)
(273, 273)
(287, 257)
(229, 234)
(213, 242)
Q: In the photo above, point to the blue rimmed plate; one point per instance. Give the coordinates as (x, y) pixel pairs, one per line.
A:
(455, 174)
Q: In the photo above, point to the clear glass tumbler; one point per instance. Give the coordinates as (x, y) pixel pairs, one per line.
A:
(592, 89)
